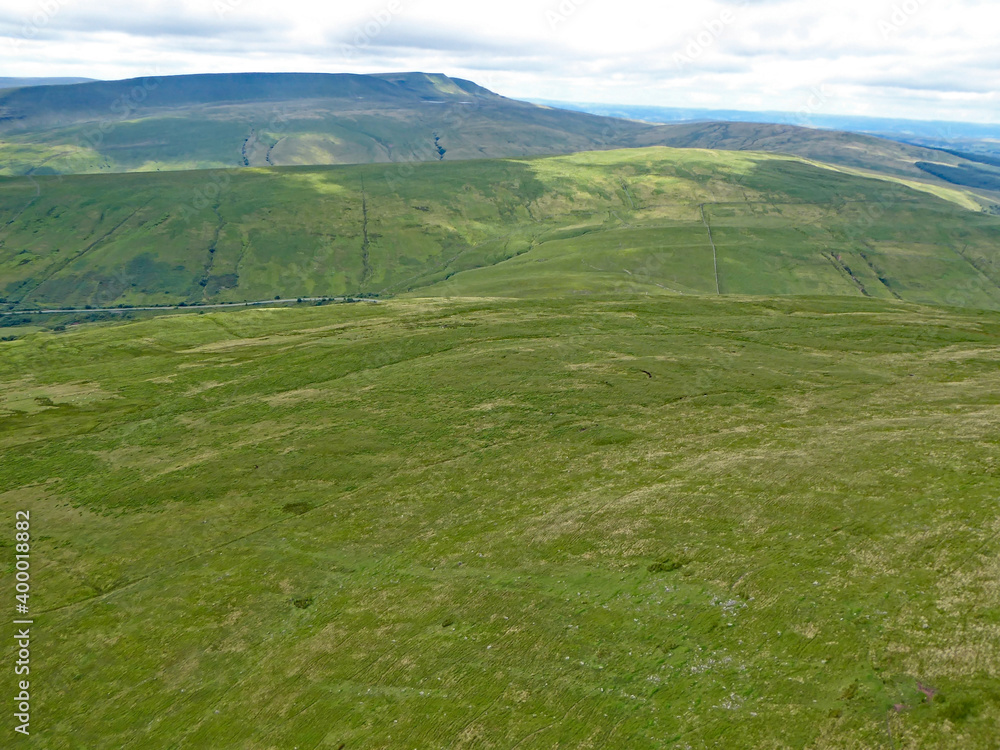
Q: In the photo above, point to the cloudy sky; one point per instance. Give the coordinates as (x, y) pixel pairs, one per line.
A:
(923, 59)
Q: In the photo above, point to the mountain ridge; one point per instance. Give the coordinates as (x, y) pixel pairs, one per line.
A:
(20, 106)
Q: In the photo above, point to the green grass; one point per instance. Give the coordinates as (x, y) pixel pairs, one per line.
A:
(621, 221)
(614, 522)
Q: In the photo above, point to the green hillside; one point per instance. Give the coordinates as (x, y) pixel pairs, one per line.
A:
(613, 522)
(852, 150)
(834, 147)
(655, 221)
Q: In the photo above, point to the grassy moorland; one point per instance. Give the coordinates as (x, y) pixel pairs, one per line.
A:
(629, 521)
(657, 221)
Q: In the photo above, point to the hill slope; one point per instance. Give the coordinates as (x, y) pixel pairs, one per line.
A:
(853, 150)
(647, 220)
(642, 523)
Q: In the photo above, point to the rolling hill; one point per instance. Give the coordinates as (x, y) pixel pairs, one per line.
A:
(655, 220)
(867, 153)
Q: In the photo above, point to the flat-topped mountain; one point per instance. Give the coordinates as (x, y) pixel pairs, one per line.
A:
(265, 119)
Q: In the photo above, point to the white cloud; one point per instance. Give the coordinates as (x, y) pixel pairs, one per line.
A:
(905, 58)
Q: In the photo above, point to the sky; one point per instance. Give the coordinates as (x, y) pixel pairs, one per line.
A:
(918, 59)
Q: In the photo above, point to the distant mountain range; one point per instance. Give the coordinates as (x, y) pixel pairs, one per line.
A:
(938, 130)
